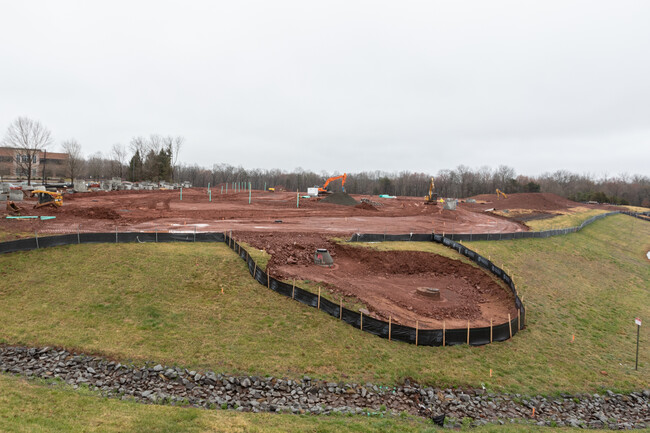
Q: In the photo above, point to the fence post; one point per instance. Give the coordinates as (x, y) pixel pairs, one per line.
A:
(468, 332)
(156, 235)
(361, 327)
(510, 325)
(490, 330)
(443, 333)
(341, 308)
(255, 271)
(293, 289)
(319, 298)
(518, 319)
(194, 234)
(78, 236)
(416, 332)
(36, 234)
(268, 278)
(389, 327)
(115, 234)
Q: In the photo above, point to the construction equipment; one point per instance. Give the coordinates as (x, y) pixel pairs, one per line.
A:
(432, 197)
(322, 190)
(47, 198)
(501, 194)
(13, 207)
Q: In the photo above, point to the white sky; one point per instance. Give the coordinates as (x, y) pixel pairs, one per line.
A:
(340, 85)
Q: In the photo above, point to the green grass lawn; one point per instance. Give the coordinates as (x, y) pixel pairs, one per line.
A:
(163, 302)
(34, 406)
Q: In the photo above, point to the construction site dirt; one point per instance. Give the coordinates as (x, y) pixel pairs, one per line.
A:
(277, 212)
(387, 282)
(290, 228)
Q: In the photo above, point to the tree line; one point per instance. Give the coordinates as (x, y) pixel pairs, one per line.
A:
(461, 182)
(155, 158)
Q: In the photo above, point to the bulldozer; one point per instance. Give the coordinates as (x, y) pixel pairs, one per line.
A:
(432, 197)
(322, 190)
(47, 198)
(501, 194)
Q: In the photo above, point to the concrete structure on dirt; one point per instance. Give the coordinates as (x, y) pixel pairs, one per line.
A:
(322, 257)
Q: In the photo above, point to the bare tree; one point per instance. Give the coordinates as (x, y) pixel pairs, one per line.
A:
(29, 137)
(177, 143)
(75, 160)
(118, 152)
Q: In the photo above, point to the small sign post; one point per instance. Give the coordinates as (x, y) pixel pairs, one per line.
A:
(637, 320)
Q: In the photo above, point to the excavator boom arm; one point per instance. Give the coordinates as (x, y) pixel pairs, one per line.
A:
(344, 176)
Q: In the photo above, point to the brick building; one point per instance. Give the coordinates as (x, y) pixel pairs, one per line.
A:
(44, 163)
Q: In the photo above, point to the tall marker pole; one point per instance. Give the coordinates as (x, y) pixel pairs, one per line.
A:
(638, 331)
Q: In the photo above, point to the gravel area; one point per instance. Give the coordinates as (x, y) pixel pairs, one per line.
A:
(155, 383)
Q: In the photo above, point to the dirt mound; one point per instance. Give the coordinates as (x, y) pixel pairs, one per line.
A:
(366, 206)
(537, 201)
(341, 198)
(96, 212)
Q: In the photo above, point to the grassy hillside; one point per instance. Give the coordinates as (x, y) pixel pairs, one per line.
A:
(570, 218)
(163, 302)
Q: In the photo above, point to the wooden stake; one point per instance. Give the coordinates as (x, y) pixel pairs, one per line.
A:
(254, 270)
(510, 325)
(468, 332)
(268, 279)
(341, 308)
(293, 289)
(361, 324)
(443, 333)
(319, 298)
(519, 319)
(416, 332)
(389, 327)
(490, 330)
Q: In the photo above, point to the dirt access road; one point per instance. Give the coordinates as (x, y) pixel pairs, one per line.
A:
(165, 211)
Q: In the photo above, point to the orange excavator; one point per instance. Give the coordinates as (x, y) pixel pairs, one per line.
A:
(322, 190)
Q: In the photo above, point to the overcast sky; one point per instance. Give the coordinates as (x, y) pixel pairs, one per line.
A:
(340, 86)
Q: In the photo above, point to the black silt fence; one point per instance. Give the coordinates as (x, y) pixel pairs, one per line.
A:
(383, 329)
(427, 237)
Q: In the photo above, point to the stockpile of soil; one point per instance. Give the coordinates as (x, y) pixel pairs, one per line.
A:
(366, 206)
(341, 198)
(534, 201)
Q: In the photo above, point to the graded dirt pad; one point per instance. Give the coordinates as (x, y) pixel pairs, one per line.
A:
(387, 281)
(165, 211)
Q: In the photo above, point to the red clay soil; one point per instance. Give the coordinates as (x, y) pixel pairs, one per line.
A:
(386, 282)
(539, 201)
(163, 211)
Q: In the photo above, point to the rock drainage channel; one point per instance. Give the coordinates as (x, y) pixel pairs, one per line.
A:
(173, 385)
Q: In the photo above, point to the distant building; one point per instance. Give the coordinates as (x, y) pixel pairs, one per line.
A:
(44, 163)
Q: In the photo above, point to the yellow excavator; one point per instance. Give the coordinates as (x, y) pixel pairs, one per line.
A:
(432, 197)
(47, 198)
(322, 190)
(501, 194)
